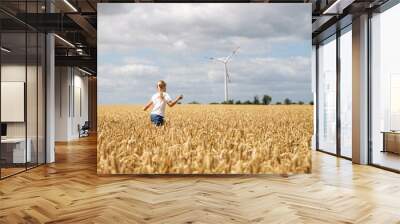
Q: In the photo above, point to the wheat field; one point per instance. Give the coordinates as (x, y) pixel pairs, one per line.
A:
(205, 139)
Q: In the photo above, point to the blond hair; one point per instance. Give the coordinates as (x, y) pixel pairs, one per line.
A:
(162, 85)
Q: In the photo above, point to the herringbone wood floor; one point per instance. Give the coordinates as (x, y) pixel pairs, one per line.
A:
(70, 191)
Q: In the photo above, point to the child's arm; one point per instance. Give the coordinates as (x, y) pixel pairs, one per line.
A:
(149, 104)
(172, 103)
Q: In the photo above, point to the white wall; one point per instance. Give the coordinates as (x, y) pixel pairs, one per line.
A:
(12, 73)
(79, 117)
(70, 83)
(33, 127)
(62, 82)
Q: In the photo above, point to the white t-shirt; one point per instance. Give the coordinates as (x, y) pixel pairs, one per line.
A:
(159, 103)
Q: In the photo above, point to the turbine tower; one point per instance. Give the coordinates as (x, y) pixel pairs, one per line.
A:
(225, 61)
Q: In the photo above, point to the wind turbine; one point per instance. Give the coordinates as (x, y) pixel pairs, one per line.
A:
(225, 61)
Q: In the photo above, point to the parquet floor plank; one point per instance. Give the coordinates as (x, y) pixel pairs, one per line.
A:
(70, 191)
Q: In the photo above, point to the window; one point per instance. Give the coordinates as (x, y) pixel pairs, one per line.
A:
(22, 87)
(385, 89)
(327, 95)
(346, 92)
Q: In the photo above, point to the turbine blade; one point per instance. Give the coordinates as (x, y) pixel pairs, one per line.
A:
(233, 53)
(217, 59)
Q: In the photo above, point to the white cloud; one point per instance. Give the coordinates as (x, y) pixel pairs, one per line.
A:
(218, 26)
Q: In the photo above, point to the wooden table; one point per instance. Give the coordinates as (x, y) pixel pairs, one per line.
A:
(391, 141)
(13, 150)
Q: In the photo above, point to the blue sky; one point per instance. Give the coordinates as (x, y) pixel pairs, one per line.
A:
(142, 43)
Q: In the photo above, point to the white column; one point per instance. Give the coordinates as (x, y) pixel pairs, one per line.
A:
(360, 90)
(50, 110)
(62, 103)
(50, 92)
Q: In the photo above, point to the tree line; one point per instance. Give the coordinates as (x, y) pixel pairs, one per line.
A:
(263, 100)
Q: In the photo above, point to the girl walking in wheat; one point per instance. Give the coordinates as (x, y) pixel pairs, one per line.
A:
(159, 101)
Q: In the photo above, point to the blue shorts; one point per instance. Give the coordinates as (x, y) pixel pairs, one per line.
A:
(156, 119)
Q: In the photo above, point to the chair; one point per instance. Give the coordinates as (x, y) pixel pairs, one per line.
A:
(84, 130)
